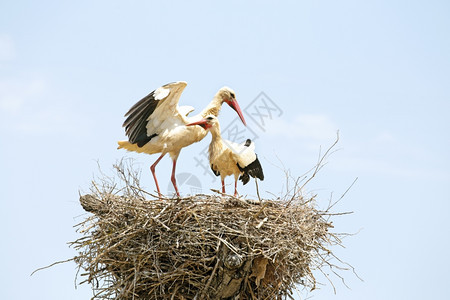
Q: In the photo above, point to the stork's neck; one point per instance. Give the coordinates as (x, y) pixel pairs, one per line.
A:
(215, 132)
(216, 146)
(213, 107)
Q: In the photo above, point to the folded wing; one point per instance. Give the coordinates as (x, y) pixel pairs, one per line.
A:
(247, 160)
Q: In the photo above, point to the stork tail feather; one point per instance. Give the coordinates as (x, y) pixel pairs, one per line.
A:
(129, 146)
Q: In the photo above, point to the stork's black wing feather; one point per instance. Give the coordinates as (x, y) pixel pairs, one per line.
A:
(217, 173)
(244, 178)
(254, 170)
(135, 124)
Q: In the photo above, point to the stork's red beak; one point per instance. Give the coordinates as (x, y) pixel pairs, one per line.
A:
(234, 105)
(203, 123)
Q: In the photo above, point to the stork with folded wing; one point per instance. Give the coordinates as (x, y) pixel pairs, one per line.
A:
(229, 158)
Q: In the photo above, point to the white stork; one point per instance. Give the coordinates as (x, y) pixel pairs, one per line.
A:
(156, 124)
(229, 158)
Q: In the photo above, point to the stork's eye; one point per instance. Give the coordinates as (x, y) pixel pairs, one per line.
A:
(232, 95)
(209, 118)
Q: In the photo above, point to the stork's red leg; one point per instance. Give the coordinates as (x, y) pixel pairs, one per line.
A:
(223, 186)
(152, 168)
(235, 188)
(174, 181)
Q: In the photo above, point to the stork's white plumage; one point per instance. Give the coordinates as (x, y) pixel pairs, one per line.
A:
(156, 124)
(229, 158)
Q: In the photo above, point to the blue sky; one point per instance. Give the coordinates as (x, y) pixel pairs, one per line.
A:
(377, 71)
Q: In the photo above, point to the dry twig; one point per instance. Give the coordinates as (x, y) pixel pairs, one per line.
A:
(205, 245)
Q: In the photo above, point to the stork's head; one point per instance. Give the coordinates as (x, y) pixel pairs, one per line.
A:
(228, 96)
(205, 123)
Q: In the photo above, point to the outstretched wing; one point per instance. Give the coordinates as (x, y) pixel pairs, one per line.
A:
(185, 110)
(144, 118)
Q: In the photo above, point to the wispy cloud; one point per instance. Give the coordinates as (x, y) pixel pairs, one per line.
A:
(388, 155)
(377, 153)
(15, 93)
(7, 48)
(28, 104)
(31, 106)
(317, 127)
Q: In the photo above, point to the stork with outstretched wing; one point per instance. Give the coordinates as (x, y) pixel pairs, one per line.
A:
(156, 124)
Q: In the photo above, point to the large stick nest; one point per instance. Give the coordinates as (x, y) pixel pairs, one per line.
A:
(200, 247)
